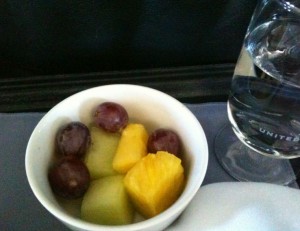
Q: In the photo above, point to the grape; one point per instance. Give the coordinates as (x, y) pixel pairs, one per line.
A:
(112, 117)
(164, 140)
(69, 178)
(73, 139)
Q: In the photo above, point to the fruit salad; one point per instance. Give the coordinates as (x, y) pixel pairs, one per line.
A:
(116, 168)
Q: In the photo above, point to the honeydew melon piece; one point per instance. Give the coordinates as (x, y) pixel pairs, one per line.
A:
(106, 202)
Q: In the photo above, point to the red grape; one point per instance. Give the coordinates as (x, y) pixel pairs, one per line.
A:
(73, 139)
(112, 117)
(69, 178)
(164, 140)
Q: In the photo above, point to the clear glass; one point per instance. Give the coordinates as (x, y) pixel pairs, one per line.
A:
(264, 101)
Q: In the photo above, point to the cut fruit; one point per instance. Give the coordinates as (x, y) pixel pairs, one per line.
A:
(155, 183)
(132, 147)
(106, 202)
(100, 155)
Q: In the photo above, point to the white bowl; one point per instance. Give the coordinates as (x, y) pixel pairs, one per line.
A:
(152, 108)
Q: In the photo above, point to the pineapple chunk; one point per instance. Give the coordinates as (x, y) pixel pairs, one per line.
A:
(155, 183)
(106, 202)
(99, 157)
(132, 147)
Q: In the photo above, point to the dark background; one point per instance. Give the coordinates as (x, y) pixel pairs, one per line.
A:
(52, 49)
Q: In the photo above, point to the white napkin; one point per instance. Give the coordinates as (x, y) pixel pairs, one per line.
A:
(237, 206)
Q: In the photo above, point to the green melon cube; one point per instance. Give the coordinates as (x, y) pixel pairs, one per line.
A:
(100, 155)
(106, 202)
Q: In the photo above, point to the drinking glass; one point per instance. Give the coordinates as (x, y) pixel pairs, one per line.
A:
(264, 100)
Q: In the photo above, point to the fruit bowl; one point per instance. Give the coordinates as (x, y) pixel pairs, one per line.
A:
(154, 109)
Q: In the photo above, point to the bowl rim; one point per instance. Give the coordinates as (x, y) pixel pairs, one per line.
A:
(176, 208)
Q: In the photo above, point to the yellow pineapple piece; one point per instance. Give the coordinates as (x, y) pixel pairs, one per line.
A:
(155, 183)
(132, 147)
